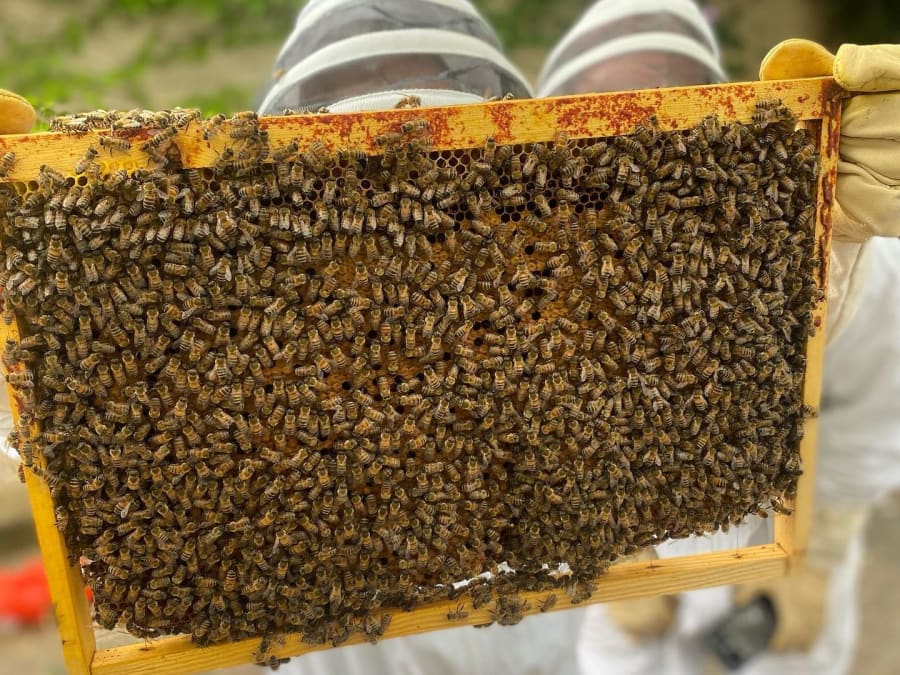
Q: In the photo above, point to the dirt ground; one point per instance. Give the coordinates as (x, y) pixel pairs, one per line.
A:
(36, 651)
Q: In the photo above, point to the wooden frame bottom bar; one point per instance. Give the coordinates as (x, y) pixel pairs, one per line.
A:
(179, 655)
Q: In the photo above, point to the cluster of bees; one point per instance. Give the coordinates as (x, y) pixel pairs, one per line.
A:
(289, 391)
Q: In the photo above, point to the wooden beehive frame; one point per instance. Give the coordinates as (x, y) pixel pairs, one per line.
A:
(816, 102)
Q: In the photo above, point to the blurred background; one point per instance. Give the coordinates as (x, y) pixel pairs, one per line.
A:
(67, 55)
(76, 55)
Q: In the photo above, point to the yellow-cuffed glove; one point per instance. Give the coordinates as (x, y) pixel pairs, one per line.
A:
(16, 114)
(643, 618)
(800, 598)
(868, 187)
(868, 184)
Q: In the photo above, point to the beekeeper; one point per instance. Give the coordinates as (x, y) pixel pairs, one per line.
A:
(373, 54)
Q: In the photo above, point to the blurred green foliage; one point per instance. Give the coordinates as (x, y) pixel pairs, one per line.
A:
(863, 21)
(48, 70)
(531, 23)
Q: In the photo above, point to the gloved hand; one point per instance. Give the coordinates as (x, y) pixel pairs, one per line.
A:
(868, 188)
(800, 597)
(868, 185)
(643, 618)
(16, 114)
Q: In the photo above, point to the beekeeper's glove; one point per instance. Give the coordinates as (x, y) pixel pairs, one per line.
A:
(868, 185)
(16, 114)
(800, 598)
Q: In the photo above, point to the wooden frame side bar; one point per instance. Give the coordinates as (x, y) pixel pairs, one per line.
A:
(73, 614)
(178, 655)
(67, 586)
(792, 532)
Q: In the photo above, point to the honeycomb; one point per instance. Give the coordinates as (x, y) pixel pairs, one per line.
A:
(297, 390)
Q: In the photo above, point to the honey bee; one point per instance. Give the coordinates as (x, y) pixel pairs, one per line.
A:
(114, 143)
(86, 160)
(457, 614)
(509, 610)
(804, 154)
(543, 206)
(7, 161)
(159, 138)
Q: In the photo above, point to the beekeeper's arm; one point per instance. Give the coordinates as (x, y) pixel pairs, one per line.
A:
(868, 205)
